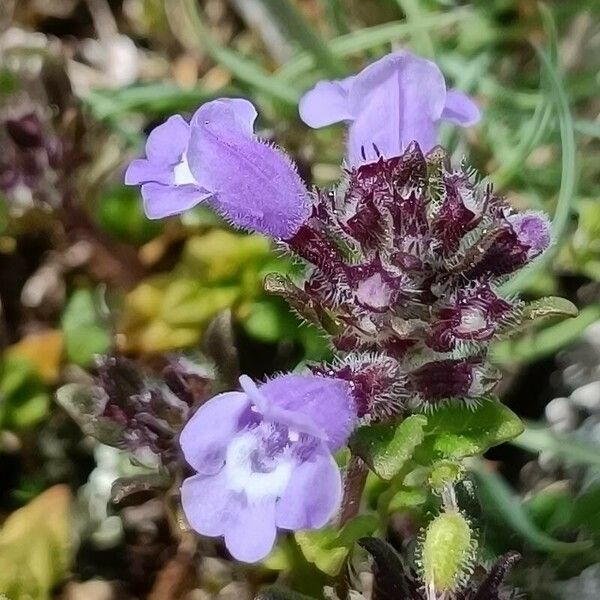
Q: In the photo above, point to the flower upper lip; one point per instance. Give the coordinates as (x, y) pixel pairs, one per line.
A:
(392, 102)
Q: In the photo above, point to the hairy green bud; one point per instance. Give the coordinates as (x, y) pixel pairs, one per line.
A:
(446, 553)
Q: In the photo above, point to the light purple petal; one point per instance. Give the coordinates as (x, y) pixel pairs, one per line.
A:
(141, 171)
(166, 200)
(167, 143)
(235, 114)
(208, 503)
(533, 229)
(325, 401)
(205, 437)
(326, 103)
(250, 537)
(460, 109)
(313, 495)
(396, 100)
(298, 421)
(255, 185)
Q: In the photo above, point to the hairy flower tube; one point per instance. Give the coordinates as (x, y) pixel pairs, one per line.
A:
(190, 163)
(399, 99)
(263, 458)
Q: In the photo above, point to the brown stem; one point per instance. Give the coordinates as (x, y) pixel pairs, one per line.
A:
(177, 576)
(356, 477)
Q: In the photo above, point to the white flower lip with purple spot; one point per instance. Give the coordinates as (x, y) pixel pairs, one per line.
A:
(264, 460)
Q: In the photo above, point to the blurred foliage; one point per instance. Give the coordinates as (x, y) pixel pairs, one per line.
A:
(30, 571)
(84, 332)
(217, 270)
(24, 400)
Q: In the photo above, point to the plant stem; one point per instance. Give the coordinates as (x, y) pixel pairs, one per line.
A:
(356, 477)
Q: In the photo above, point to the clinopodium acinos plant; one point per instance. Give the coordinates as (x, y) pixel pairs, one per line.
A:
(403, 263)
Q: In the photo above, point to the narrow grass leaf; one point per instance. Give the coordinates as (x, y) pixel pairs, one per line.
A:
(296, 26)
(541, 439)
(371, 37)
(502, 503)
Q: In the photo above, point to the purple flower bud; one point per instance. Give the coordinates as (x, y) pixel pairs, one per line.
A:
(263, 458)
(518, 239)
(460, 212)
(438, 380)
(378, 387)
(396, 100)
(442, 379)
(475, 316)
(532, 230)
(217, 159)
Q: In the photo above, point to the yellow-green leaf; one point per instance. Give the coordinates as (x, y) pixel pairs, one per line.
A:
(35, 546)
(386, 448)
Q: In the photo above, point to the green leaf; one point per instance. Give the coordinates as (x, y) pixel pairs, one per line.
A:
(151, 99)
(241, 68)
(407, 498)
(84, 404)
(24, 400)
(545, 342)
(84, 332)
(327, 548)
(35, 546)
(277, 592)
(120, 213)
(585, 513)
(500, 502)
(422, 42)
(549, 307)
(455, 431)
(550, 508)
(270, 320)
(568, 184)
(387, 448)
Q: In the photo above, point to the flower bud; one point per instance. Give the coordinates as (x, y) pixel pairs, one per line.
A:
(447, 551)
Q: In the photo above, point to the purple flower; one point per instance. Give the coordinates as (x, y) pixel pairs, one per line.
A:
(264, 460)
(396, 100)
(216, 158)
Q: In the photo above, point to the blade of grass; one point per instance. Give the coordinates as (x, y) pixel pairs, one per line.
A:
(421, 41)
(541, 439)
(155, 99)
(241, 68)
(502, 503)
(591, 128)
(532, 136)
(336, 16)
(370, 37)
(545, 342)
(292, 21)
(568, 183)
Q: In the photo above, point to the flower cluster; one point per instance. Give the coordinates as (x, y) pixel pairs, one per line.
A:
(405, 262)
(402, 267)
(126, 409)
